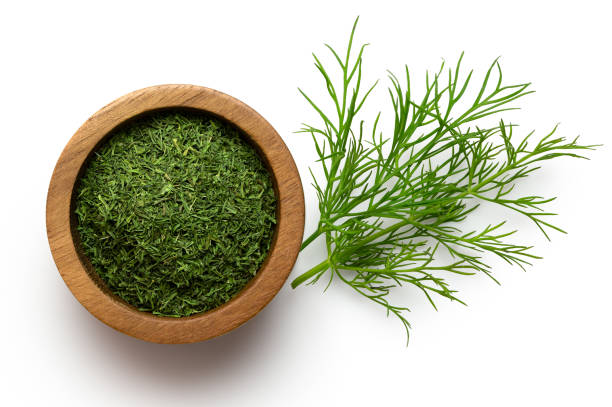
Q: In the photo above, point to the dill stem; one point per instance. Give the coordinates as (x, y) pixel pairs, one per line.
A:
(324, 265)
(311, 238)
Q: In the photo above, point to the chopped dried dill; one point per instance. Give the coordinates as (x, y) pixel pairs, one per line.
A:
(176, 213)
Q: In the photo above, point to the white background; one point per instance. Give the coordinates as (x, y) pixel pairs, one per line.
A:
(542, 338)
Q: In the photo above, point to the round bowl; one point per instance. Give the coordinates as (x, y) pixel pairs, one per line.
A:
(85, 283)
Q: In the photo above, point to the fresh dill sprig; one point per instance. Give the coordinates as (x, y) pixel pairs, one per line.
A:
(390, 205)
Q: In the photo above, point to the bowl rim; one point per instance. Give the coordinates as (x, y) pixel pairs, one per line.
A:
(75, 268)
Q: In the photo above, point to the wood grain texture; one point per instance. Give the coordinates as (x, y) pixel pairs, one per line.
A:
(76, 270)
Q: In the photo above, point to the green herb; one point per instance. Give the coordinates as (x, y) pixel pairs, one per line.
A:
(391, 206)
(176, 213)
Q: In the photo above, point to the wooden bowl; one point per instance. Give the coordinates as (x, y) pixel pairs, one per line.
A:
(85, 283)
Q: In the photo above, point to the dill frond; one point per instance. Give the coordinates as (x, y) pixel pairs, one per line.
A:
(389, 205)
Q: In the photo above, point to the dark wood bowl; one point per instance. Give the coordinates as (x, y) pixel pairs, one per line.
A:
(77, 271)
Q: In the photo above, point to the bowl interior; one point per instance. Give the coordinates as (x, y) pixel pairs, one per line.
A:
(95, 277)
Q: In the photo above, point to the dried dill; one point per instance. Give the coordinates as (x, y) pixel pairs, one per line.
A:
(176, 213)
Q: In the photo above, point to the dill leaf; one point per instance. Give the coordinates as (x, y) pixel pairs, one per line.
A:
(390, 205)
